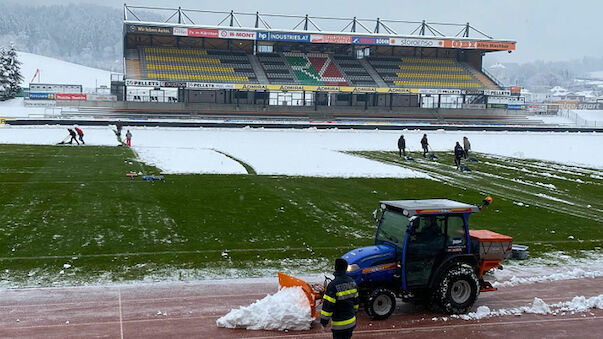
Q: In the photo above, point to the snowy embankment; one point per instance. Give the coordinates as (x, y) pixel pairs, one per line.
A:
(55, 71)
(51, 135)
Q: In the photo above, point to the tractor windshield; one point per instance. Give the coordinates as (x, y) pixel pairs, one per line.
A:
(392, 228)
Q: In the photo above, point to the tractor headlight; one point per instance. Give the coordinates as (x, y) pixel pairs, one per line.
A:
(353, 268)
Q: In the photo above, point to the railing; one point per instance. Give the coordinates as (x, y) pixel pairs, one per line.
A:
(580, 122)
(493, 78)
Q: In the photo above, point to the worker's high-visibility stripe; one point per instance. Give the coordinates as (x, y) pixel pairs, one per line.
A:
(326, 314)
(331, 299)
(346, 294)
(355, 307)
(344, 324)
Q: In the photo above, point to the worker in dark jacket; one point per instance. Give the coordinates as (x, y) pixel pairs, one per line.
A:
(401, 146)
(459, 153)
(340, 302)
(425, 145)
(80, 134)
(72, 135)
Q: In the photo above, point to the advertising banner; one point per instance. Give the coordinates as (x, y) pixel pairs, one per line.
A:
(331, 39)
(497, 92)
(97, 97)
(41, 96)
(590, 106)
(472, 91)
(479, 44)
(240, 35)
(70, 96)
(143, 83)
(196, 32)
(474, 106)
(202, 85)
(292, 88)
(516, 107)
(497, 106)
(537, 108)
(357, 40)
(150, 30)
(174, 84)
(365, 89)
(415, 42)
(515, 90)
(506, 100)
(566, 104)
(277, 36)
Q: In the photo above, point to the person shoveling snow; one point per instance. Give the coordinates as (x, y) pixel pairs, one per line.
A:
(288, 309)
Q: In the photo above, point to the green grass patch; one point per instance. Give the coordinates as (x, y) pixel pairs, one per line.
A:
(75, 206)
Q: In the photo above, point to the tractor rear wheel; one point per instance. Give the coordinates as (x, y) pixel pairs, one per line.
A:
(458, 290)
(380, 303)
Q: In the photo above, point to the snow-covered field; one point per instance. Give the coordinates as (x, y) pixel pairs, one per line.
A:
(312, 152)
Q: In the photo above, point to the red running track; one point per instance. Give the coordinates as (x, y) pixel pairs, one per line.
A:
(190, 310)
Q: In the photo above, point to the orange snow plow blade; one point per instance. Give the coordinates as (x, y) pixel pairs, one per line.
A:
(286, 280)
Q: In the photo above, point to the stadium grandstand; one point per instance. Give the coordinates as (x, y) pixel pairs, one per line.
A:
(199, 56)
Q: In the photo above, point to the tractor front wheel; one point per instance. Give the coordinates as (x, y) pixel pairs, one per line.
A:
(380, 303)
(458, 290)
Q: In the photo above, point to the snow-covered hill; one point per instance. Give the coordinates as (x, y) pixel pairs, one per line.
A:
(55, 71)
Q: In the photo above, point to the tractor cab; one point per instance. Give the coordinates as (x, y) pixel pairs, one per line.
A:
(421, 247)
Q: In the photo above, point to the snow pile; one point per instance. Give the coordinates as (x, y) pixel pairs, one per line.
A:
(575, 273)
(288, 309)
(576, 305)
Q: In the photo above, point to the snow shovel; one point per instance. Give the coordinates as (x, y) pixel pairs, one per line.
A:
(431, 156)
(464, 168)
(64, 140)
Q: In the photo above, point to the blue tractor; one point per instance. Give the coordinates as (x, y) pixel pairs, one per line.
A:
(424, 253)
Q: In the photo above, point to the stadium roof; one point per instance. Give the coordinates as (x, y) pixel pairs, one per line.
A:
(305, 29)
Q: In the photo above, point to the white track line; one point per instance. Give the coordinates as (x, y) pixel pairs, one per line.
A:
(121, 320)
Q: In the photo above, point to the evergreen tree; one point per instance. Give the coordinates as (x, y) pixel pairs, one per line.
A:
(10, 73)
(4, 76)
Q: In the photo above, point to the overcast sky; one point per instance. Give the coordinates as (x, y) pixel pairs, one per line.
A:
(545, 30)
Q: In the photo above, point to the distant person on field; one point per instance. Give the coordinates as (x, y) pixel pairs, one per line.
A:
(401, 146)
(459, 153)
(467, 146)
(129, 138)
(340, 302)
(424, 145)
(72, 135)
(119, 125)
(80, 134)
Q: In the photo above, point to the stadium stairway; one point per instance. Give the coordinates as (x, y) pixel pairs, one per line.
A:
(481, 77)
(133, 69)
(371, 71)
(257, 68)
